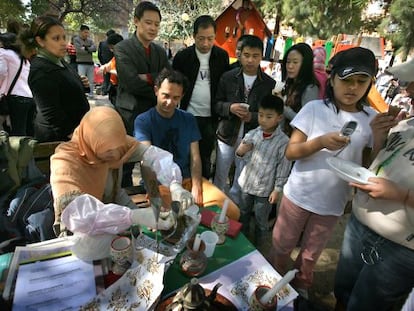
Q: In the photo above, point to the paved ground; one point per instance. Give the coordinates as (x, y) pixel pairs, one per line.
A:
(321, 294)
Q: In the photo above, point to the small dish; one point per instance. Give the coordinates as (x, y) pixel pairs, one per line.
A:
(350, 171)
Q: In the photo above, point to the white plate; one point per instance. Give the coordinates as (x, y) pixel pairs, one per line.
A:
(350, 171)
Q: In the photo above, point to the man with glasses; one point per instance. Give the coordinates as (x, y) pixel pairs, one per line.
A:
(208, 63)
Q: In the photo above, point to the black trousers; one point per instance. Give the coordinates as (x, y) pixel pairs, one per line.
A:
(207, 127)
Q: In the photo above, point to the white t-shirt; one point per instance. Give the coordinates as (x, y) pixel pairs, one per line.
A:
(248, 84)
(311, 184)
(200, 102)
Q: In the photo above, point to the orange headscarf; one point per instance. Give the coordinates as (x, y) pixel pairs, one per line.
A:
(75, 165)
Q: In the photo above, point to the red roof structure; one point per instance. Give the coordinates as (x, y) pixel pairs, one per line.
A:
(240, 17)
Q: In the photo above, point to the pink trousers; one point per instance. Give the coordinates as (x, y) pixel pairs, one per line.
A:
(291, 222)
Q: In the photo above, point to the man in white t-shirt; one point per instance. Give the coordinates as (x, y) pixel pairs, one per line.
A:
(203, 64)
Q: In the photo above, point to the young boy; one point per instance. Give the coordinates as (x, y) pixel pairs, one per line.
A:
(266, 169)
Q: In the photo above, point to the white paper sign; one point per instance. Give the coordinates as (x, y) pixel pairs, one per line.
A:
(58, 284)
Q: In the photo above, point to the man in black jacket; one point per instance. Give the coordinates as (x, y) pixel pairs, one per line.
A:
(209, 63)
(104, 56)
(239, 92)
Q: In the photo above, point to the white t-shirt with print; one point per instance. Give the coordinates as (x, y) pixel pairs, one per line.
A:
(200, 102)
(311, 184)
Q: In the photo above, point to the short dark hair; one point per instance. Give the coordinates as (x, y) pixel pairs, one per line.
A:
(145, 6)
(203, 21)
(241, 38)
(9, 41)
(172, 76)
(84, 27)
(114, 39)
(110, 32)
(272, 102)
(252, 42)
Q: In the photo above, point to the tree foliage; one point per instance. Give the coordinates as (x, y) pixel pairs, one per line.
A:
(398, 26)
(324, 18)
(175, 25)
(97, 10)
(11, 9)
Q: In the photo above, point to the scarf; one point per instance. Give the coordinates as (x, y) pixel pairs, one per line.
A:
(76, 167)
(49, 56)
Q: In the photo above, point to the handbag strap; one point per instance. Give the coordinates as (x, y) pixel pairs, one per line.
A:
(15, 78)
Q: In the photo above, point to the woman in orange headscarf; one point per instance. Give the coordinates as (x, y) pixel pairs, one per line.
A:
(91, 162)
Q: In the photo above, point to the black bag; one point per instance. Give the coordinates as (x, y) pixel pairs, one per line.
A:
(4, 100)
(31, 213)
(6, 182)
(4, 105)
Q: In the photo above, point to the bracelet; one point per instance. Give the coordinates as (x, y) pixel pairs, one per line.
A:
(407, 196)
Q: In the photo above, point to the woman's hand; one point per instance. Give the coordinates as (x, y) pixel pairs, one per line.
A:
(381, 188)
(85, 81)
(381, 125)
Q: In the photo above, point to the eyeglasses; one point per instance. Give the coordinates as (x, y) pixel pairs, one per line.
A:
(370, 254)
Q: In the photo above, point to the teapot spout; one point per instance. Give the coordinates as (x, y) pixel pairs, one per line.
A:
(213, 293)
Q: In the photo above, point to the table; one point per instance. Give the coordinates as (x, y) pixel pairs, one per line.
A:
(236, 253)
(224, 254)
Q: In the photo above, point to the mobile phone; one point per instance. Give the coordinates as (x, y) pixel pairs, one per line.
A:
(348, 128)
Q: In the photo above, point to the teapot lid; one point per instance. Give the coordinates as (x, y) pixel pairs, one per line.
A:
(192, 294)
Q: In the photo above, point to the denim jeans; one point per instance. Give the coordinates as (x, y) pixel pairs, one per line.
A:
(88, 70)
(261, 207)
(373, 273)
(224, 160)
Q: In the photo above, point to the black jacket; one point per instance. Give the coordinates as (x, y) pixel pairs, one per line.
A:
(231, 90)
(136, 96)
(104, 53)
(186, 61)
(60, 99)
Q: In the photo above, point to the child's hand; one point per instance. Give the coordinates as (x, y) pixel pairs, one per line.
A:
(244, 147)
(273, 197)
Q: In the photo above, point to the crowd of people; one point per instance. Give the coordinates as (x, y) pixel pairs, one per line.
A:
(193, 107)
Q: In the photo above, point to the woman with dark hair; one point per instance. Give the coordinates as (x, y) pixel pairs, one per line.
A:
(58, 91)
(301, 85)
(19, 111)
(314, 197)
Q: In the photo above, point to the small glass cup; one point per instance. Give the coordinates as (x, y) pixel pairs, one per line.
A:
(193, 263)
(220, 227)
(256, 305)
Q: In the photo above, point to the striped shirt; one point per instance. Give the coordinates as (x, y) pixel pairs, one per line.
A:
(266, 168)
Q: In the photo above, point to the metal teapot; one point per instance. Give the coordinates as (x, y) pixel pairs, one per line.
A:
(193, 297)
